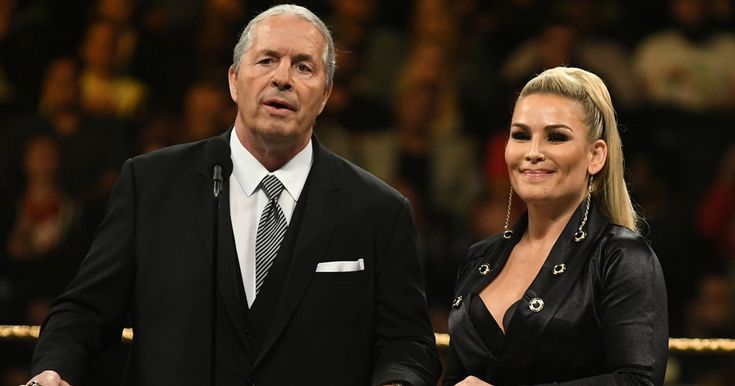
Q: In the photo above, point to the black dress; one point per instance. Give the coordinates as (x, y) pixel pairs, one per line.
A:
(594, 315)
(485, 324)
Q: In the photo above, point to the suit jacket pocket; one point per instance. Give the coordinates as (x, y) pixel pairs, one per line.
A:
(341, 266)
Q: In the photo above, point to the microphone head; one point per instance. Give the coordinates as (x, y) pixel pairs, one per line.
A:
(217, 152)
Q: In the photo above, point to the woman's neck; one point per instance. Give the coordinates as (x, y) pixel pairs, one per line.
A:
(547, 221)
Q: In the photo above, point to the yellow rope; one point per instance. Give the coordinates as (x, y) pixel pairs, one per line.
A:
(442, 340)
(19, 332)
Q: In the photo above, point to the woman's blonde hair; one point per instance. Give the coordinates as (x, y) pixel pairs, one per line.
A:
(589, 90)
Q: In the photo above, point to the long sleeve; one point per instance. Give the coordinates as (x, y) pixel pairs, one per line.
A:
(406, 349)
(90, 315)
(632, 310)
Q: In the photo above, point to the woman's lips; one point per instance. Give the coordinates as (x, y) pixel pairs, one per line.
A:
(536, 173)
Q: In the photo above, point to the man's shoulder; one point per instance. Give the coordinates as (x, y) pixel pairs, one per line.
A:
(354, 178)
(173, 153)
(168, 164)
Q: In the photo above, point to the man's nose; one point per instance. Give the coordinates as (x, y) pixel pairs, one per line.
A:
(282, 77)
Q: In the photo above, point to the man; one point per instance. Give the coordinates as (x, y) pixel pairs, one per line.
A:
(318, 276)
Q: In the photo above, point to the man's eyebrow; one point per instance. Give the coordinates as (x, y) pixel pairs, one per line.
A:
(296, 58)
(303, 58)
(269, 52)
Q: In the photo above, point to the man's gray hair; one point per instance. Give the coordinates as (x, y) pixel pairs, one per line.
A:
(246, 38)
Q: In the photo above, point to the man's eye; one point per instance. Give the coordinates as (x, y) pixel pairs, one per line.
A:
(266, 61)
(303, 68)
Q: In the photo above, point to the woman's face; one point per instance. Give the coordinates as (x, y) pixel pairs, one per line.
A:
(549, 154)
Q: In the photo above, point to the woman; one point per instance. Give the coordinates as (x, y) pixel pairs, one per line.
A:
(572, 294)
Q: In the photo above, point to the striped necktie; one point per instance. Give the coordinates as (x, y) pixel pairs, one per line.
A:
(271, 228)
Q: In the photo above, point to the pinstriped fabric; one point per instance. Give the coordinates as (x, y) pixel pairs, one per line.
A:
(271, 228)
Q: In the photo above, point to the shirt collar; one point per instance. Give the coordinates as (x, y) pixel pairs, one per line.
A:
(249, 171)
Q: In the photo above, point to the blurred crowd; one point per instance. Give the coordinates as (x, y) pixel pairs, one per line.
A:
(422, 97)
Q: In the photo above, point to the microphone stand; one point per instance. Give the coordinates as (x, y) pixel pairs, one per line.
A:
(217, 190)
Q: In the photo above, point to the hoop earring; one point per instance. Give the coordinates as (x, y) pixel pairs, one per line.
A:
(580, 234)
(508, 233)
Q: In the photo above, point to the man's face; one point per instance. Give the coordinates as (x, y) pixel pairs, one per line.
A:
(280, 86)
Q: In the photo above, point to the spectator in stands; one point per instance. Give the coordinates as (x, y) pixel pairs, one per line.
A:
(716, 214)
(562, 42)
(690, 66)
(207, 111)
(45, 211)
(105, 91)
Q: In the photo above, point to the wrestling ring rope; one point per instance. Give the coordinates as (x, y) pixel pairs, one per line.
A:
(8, 332)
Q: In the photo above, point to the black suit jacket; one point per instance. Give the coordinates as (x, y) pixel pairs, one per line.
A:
(151, 260)
(603, 321)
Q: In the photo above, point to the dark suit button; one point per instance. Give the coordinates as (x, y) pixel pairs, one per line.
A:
(251, 381)
(249, 333)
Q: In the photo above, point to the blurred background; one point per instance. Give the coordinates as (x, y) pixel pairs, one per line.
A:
(422, 98)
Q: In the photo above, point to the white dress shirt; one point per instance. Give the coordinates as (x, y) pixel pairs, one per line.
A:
(247, 200)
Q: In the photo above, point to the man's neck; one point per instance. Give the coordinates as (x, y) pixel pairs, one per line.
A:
(271, 155)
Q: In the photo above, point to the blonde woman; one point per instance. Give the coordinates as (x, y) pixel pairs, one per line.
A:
(572, 294)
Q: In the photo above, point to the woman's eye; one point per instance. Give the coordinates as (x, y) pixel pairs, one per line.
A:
(558, 137)
(520, 136)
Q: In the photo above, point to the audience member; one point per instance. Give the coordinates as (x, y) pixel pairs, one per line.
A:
(105, 91)
(563, 42)
(45, 212)
(690, 65)
(207, 111)
(716, 214)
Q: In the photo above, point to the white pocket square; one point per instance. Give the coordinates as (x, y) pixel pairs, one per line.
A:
(341, 266)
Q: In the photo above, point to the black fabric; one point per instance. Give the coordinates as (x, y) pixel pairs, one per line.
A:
(259, 316)
(484, 323)
(151, 259)
(604, 320)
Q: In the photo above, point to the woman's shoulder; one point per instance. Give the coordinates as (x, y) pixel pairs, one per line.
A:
(484, 247)
(624, 249)
(480, 251)
(617, 238)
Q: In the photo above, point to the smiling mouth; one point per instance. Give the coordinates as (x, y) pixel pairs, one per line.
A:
(536, 172)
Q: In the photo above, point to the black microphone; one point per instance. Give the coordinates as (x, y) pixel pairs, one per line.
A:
(217, 155)
(217, 158)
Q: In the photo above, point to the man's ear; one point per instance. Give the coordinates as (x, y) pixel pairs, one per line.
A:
(599, 156)
(232, 81)
(327, 93)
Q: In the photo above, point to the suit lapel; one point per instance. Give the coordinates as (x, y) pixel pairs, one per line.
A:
(324, 205)
(228, 267)
(527, 325)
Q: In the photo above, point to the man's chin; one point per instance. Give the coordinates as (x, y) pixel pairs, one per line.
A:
(284, 136)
